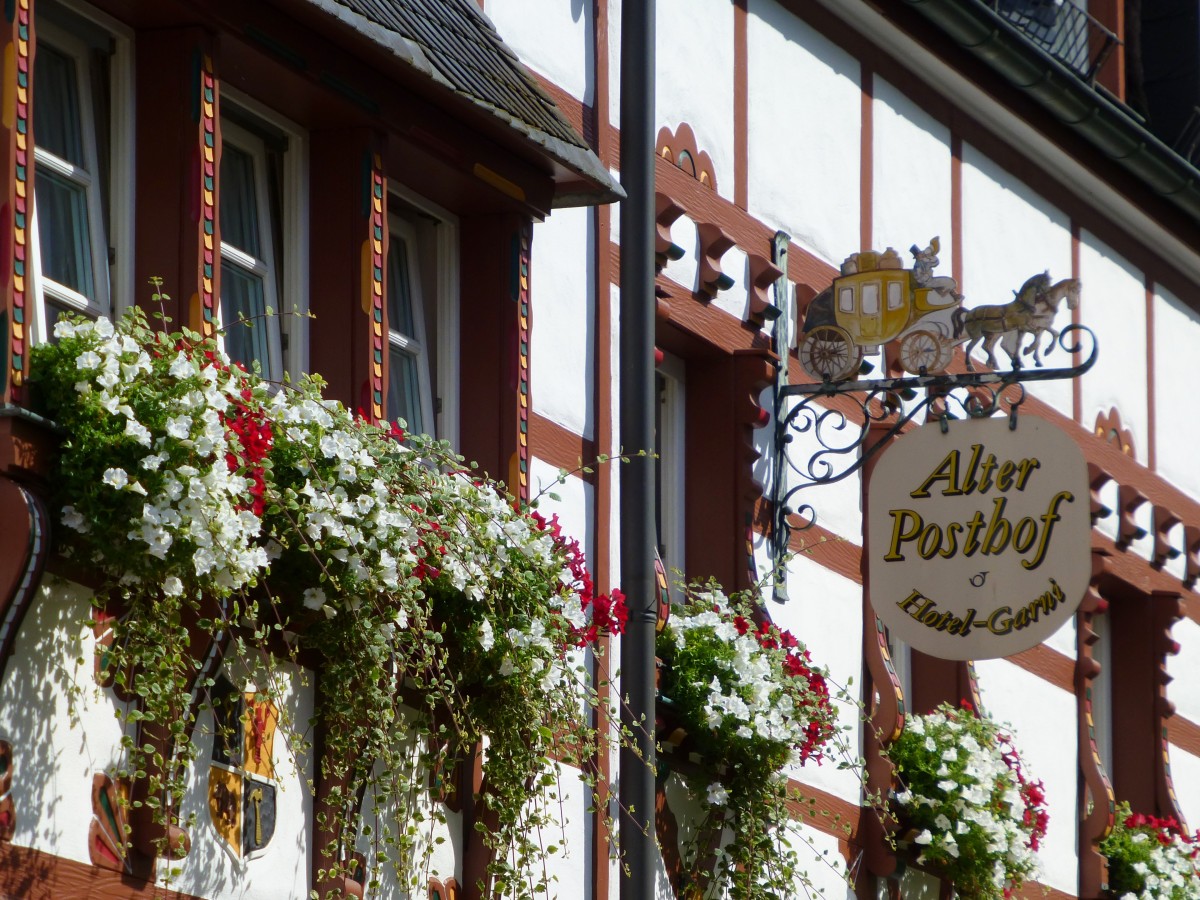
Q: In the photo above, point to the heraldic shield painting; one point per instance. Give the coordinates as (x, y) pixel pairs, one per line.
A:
(241, 778)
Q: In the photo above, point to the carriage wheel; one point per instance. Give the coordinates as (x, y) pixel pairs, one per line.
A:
(828, 352)
(924, 350)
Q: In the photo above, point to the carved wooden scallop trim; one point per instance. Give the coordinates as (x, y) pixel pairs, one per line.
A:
(679, 148)
(1094, 822)
(714, 243)
(1167, 610)
(1109, 428)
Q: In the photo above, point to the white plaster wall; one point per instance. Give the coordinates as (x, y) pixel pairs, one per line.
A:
(1044, 722)
(439, 836)
(62, 727)
(570, 869)
(822, 866)
(694, 77)
(824, 611)
(574, 506)
(281, 870)
(562, 343)
(684, 271)
(805, 122)
(1176, 337)
(614, 499)
(1010, 233)
(1184, 669)
(910, 176)
(1064, 639)
(552, 37)
(614, 61)
(736, 300)
(1185, 773)
(1114, 306)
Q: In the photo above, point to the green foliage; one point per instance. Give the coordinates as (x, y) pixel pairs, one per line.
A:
(752, 704)
(1151, 858)
(439, 616)
(973, 814)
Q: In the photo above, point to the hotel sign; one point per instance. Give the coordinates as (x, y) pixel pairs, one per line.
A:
(979, 536)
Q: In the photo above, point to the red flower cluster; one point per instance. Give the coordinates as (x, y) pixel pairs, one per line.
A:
(797, 664)
(1167, 830)
(609, 612)
(255, 437)
(1032, 792)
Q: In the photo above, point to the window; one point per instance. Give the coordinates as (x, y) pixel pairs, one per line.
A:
(422, 317)
(670, 481)
(250, 217)
(82, 130)
(409, 396)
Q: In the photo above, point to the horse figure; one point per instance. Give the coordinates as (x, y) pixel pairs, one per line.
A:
(1031, 311)
(1045, 309)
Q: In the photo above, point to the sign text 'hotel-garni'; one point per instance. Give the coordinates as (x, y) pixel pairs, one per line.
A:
(978, 537)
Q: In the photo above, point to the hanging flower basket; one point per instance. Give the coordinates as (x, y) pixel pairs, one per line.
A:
(198, 491)
(1151, 858)
(966, 807)
(750, 702)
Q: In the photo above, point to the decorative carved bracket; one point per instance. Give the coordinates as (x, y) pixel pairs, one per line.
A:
(666, 212)
(763, 275)
(714, 243)
(1167, 609)
(1097, 801)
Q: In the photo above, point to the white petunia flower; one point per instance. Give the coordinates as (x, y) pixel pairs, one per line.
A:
(314, 598)
(115, 478)
(172, 586)
(717, 795)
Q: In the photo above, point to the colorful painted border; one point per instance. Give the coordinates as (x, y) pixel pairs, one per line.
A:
(378, 338)
(208, 125)
(18, 64)
(523, 255)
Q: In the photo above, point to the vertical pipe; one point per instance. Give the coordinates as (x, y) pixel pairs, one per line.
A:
(637, 433)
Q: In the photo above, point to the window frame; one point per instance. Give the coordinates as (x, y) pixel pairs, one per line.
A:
(414, 345)
(264, 267)
(438, 255)
(289, 332)
(672, 462)
(104, 273)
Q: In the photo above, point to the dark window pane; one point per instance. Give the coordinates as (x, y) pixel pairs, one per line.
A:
(404, 391)
(56, 109)
(63, 232)
(243, 308)
(239, 210)
(399, 288)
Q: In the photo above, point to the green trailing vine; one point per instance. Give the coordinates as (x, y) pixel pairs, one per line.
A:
(219, 508)
(753, 705)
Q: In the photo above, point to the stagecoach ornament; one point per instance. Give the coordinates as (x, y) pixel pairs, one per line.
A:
(875, 303)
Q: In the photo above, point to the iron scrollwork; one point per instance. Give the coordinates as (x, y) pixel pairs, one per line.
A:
(802, 410)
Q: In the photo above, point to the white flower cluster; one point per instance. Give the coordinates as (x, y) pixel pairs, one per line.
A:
(198, 502)
(1171, 871)
(752, 699)
(975, 794)
(229, 476)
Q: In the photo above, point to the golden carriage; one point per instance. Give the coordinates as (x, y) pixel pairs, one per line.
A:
(873, 302)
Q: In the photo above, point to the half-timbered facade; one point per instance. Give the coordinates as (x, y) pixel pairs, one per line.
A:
(422, 193)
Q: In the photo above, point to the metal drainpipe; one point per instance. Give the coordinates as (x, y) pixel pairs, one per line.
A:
(636, 793)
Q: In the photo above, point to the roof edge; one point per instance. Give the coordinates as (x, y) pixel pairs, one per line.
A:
(582, 161)
(988, 37)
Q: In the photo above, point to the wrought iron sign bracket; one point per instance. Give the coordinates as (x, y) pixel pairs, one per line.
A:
(833, 421)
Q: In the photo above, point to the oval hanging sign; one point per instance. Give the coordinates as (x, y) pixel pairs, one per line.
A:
(979, 538)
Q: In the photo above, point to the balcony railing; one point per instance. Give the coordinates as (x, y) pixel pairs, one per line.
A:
(1063, 30)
